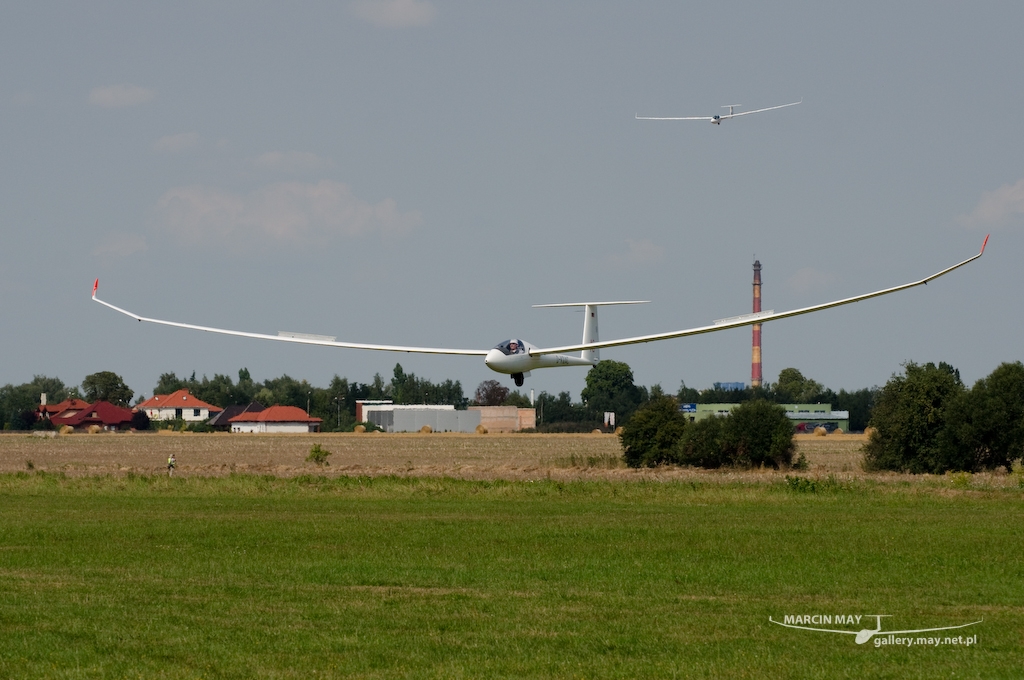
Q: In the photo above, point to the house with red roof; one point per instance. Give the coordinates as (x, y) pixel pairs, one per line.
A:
(66, 408)
(276, 419)
(102, 413)
(180, 405)
(222, 421)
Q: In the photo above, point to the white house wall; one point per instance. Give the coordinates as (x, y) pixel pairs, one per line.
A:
(187, 414)
(272, 428)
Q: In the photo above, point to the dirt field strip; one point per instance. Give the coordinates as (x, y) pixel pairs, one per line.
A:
(464, 456)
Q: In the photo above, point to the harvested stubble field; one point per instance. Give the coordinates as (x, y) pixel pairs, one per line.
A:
(461, 456)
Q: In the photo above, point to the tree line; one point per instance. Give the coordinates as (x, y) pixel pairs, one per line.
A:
(609, 386)
(923, 420)
(927, 420)
(334, 404)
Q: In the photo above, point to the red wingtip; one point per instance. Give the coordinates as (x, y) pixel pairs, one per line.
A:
(984, 243)
(95, 286)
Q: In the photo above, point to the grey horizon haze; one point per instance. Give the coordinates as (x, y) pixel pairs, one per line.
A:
(421, 173)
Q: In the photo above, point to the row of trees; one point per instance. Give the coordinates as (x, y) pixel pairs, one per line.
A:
(334, 404)
(927, 420)
(609, 387)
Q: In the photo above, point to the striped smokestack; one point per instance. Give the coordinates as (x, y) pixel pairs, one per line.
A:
(755, 360)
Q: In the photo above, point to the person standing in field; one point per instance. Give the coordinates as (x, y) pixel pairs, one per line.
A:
(171, 462)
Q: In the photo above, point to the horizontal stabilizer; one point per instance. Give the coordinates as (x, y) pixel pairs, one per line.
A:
(595, 304)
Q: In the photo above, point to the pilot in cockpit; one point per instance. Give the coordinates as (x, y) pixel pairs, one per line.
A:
(513, 347)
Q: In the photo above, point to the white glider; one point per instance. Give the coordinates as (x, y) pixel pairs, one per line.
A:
(717, 120)
(517, 358)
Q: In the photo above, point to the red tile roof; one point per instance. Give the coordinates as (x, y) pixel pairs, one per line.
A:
(276, 414)
(100, 413)
(179, 399)
(67, 404)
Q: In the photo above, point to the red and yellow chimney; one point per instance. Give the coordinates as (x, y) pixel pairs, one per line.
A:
(755, 361)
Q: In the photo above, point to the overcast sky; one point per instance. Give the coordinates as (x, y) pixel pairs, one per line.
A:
(420, 173)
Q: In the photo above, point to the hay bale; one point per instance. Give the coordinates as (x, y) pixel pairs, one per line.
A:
(619, 430)
(596, 431)
(426, 429)
(839, 430)
(869, 431)
(94, 429)
(820, 431)
(359, 429)
(480, 429)
(66, 429)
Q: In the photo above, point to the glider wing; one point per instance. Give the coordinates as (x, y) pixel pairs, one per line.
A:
(750, 319)
(299, 338)
(770, 108)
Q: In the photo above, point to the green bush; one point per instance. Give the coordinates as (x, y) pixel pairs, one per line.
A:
(141, 421)
(652, 434)
(988, 430)
(758, 433)
(804, 485)
(702, 444)
(318, 455)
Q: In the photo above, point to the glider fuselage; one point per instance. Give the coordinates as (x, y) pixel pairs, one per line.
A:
(513, 356)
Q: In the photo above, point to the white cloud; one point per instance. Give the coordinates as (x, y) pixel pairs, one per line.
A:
(395, 13)
(292, 162)
(998, 207)
(118, 96)
(176, 143)
(285, 213)
(637, 253)
(120, 245)
(809, 279)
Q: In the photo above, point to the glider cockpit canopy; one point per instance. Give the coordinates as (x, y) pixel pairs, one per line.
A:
(510, 347)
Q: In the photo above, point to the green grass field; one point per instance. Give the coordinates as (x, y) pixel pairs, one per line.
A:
(246, 576)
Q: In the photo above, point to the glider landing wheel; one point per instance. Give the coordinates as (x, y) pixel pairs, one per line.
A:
(518, 377)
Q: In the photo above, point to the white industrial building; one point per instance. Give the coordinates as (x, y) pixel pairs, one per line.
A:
(443, 418)
(411, 418)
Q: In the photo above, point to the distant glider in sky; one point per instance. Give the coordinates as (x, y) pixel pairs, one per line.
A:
(517, 358)
(717, 120)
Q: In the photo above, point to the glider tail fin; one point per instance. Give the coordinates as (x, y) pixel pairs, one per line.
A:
(590, 323)
(590, 334)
